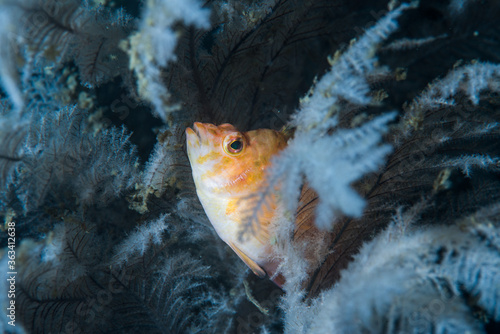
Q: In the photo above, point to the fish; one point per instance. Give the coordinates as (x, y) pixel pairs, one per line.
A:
(229, 169)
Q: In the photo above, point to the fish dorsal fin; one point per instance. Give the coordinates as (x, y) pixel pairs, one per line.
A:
(304, 220)
(257, 270)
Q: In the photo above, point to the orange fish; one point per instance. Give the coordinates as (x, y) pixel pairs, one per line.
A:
(229, 169)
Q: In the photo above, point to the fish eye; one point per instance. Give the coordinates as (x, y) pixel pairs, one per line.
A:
(236, 145)
(233, 145)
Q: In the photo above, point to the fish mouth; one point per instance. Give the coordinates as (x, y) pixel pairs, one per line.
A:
(194, 136)
(194, 131)
(191, 132)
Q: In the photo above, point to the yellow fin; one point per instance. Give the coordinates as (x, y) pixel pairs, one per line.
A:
(257, 270)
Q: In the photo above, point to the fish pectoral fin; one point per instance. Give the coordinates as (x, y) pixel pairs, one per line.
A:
(304, 220)
(257, 270)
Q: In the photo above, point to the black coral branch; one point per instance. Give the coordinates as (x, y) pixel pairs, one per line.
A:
(62, 152)
(71, 30)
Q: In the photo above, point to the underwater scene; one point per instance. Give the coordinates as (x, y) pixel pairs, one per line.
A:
(244, 166)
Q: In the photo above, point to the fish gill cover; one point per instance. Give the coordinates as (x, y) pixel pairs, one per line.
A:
(392, 108)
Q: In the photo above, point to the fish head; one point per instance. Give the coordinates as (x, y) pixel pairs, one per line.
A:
(226, 161)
